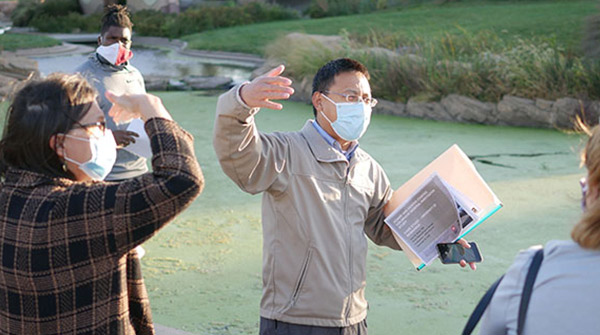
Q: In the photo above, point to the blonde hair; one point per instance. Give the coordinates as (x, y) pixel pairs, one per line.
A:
(587, 231)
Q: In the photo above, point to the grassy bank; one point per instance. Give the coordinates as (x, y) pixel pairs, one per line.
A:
(11, 42)
(561, 19)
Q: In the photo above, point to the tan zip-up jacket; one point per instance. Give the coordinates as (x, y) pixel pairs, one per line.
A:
(316, 209)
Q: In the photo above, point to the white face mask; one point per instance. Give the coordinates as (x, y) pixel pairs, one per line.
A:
(352, 121)
(115, 53)
(104, 155)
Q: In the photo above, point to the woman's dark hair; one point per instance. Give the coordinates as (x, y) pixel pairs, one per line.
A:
(326, 74)
(115, 15)
(40, 109)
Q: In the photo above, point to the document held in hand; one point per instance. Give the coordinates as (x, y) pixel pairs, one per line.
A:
(441, 203)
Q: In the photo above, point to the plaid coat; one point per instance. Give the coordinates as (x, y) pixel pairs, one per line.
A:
(66, 247)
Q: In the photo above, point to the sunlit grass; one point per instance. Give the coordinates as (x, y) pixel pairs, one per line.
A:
(562, 19)
(11, 42)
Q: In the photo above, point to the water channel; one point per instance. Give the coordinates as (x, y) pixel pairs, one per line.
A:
(160, 62)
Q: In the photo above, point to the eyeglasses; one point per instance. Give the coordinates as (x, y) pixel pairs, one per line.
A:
(101, 125)
(355, 98)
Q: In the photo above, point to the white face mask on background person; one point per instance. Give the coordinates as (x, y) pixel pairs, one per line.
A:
(104, 155)
(352, 121)
(115, 53)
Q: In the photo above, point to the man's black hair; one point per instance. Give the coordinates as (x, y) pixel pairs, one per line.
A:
(326, 74)
(117, 16)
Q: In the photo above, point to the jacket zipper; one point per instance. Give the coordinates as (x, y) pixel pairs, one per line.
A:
(350, 267)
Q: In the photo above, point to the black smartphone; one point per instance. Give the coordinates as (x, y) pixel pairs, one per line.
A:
(451, 253)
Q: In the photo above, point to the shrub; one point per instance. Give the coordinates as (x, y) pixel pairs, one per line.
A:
(70, 23)
(151, 22)
(201, 18)
(481, 66)
(62, 16)
(23, 13)
(323, 8)
(28, 11)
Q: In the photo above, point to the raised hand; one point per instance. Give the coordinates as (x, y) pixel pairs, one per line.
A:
(124, 137)
(127, 107)
(263, 89)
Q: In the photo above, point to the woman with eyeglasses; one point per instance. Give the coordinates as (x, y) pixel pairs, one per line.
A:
(65, 234)
(565, 298)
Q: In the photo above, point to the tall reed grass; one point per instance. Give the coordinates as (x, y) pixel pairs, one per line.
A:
(482, 65)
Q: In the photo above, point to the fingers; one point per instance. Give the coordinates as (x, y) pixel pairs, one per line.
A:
(464, 243)
(110, 96)
(473, 266)
(123, 107)
(276, 71)
(270, 105)
(261, 90)
(280, 81)
(120, 115)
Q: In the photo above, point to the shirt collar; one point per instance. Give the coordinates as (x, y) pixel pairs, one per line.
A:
(335, 144)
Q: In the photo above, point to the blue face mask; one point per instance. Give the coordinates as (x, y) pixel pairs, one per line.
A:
(104, 155)
(352, 121)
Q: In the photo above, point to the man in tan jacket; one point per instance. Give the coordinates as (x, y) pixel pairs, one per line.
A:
(321, 195)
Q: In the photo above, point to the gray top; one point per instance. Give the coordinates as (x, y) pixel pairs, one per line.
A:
(119, 79)
(565, 298)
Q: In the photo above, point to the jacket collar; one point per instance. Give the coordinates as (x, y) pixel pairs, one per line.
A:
(320, 148)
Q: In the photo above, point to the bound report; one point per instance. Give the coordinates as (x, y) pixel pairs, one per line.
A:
(441, 203)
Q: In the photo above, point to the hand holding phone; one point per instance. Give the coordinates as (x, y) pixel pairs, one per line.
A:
(451, 253)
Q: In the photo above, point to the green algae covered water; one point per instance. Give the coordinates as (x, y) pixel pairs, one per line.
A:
(203, 271)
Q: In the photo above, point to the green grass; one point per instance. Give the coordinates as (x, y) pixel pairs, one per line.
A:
(12, 42)
(561, 19)
(203, 271)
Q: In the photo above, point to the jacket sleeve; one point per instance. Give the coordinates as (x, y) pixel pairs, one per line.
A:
(256, 162)
(145, 204)
(375, 227)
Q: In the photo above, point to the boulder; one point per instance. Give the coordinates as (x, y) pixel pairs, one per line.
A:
(592, 113)
(386, 107)
(91, 6)
(177, 85)
(427, 110)
(517, 111)
(464, 109)
(7, 85)
(564, 112)
(332, 42)
(7, 7)
(208, 83)
(302, 90)
(545, 105)
(18, 67)
(156, 83)
(378, 55)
